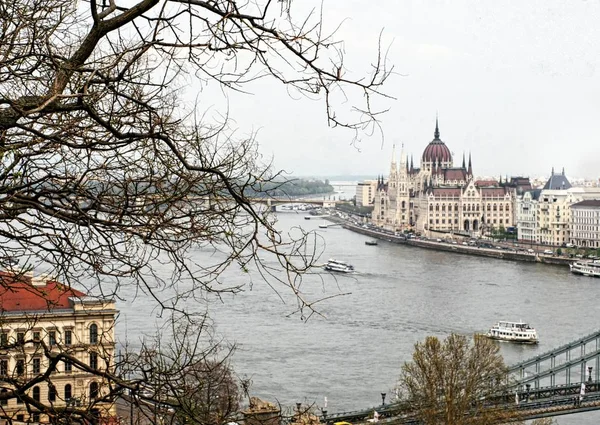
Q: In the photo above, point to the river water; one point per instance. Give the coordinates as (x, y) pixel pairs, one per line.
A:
(354, 350)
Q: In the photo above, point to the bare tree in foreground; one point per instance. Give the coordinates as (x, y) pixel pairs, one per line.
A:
(107, 176)
(456, 382)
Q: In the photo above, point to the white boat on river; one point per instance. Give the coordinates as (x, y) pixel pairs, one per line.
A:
(338, 266)
(513, 332)
(586, 268)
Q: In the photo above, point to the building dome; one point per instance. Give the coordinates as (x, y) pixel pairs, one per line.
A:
(437, 151)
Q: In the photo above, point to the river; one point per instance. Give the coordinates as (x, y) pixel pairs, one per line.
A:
(400, 295)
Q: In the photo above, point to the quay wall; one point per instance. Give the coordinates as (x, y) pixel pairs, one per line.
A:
(458, 249)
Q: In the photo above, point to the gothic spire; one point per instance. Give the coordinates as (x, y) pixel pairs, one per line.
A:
(411, 163)
(463, 160)
(552, 170)
(563, 173)
(436, 134)
(470, 170)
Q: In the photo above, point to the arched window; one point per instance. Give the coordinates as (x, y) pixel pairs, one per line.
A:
(94, 360)
(430, 207)
(444, 207)
(489, 207)
(36, 393)
(68, 394)
(437, 207)
(51, 393)
(93, 390)
(93, 333)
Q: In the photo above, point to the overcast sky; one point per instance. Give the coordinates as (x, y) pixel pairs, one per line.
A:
(516, 83)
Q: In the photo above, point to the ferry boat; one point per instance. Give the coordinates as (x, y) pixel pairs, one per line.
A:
(338, 266)
(513, 332)
(586, 268)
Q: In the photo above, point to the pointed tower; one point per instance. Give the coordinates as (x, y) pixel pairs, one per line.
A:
(463, 164)
(412, 168)
(470, 170)
(402, 197)
(393, 178)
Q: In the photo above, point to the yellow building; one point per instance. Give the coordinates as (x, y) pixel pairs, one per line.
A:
(40, 320)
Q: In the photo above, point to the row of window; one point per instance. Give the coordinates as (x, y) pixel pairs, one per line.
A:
(94, 391)
(36, 363)
(67, 336)
(488, 221)
(469, 207)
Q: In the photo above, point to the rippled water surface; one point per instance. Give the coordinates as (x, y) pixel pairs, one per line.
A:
(399, 296)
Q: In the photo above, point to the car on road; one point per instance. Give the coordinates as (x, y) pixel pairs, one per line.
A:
(531, 251)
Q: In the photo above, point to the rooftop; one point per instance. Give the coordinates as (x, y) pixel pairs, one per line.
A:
(23, 292)
(587, 203)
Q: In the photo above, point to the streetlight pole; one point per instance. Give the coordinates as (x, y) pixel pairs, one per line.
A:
(383, 399)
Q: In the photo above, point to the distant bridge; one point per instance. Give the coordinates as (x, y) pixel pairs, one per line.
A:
(526, 397)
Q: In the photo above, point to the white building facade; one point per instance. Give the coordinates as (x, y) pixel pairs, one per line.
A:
(585, 224)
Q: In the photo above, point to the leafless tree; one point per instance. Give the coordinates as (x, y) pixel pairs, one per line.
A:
(107, 176)
(455, 382)
(106, 172)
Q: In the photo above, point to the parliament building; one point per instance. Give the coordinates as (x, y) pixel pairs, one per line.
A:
(438, 196)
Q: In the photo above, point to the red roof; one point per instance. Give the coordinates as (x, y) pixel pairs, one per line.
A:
(493, 191)
(17, 293)
(446, 191)
(455, 174)
(482, 183)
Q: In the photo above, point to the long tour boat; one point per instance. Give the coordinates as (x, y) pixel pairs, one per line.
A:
(338, 266)
(586, 268)
(513, 332)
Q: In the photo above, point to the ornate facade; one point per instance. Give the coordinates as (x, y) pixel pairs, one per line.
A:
(440, 197)
(38, 313)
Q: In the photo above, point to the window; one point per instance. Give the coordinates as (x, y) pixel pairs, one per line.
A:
(35, 417)
(36, 336)
(4, 402)
(51, 393)
(20, 369)
(3, 367)
(20, 337)
(68, 337)
(36, 365)
(93, 390)
(94, 360)
(4, 338)
(93, 333)
(68, 367)
(20, 418)
(36, 393)
(68, 392)
(52, 337)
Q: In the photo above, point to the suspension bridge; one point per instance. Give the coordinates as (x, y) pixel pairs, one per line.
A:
(562, 381)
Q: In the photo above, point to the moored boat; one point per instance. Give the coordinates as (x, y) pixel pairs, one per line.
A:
(513, 332)
(371, 242)
(338, 266)
(586, 268)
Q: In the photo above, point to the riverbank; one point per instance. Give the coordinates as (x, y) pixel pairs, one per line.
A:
(455, 248)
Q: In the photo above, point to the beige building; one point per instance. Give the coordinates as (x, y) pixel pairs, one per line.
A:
(365, 193)
(38, 313)
(544, 216)
(585, 224)
(443, 198)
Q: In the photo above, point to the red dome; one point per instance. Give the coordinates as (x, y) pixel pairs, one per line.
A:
(436, 150)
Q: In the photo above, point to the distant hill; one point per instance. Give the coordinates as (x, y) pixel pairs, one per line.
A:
(341, 177)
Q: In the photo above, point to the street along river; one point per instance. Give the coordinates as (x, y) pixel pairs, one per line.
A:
(399, 295)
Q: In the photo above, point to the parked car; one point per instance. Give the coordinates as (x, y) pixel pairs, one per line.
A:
(531, 251)
(548, 252)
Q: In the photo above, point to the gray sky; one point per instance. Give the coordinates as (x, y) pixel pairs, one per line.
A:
(515, 83)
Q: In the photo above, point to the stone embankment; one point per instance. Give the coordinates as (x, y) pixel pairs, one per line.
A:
(456, 248)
